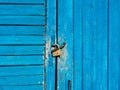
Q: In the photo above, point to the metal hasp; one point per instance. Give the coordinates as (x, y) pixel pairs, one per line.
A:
(56, 52)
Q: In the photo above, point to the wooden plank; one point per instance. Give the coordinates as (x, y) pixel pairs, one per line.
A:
(22, 30)
(65, 34)
(21, 40)
(101, 45)
(27, 87)
(22, 10)
(21, 70)
(50, 39)
(78, 45)
(114, 45)
(22, 20)
(18, 50)
(95, 45)
(22, 1)
(21, 60)
(21, 80)
(89, 45)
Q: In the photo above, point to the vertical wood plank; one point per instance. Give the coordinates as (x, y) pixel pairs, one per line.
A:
(114, 45)
(89, 44)
(65, 34)
(50, 39)
(78, 45)
(94, 45)
(101, 45)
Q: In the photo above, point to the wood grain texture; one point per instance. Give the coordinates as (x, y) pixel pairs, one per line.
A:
(22, 1)
(22, 20)
(65, 34)
(21, 40)
(21, 80)
(22, 44)
(22, 30)
(27, 87)
(50, 39)
(21, 70)
(95, 45)
(19, 50)
(100, 45)
(21, 60)
(22, 9)
(114, 45)
(78, 45)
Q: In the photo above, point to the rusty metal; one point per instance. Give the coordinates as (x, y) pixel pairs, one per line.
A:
(56, 52)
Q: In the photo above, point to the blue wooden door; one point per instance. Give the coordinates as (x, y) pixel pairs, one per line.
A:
(97, 44)
(22, 44)
(91, 58)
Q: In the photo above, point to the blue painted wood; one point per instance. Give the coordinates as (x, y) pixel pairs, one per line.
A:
(114, 45)
(22, 44)
(27, 87)
(101, 45)
(21, 80)
(22, 1)
(22, 10)
(89, 44)
(21, 70)
(78, 45)
(21, 50)
(95, 45)
(22, 30)
(50, 39)
(22, 40)
(65, 34)
(22, 20)
(94, 40)
(21, 60)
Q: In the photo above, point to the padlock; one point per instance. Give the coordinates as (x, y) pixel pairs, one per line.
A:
(56, 53)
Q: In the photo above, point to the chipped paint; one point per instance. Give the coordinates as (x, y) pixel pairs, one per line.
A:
(63, 59)
(48, 46)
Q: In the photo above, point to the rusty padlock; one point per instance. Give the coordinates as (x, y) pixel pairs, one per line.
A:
(56, 52)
